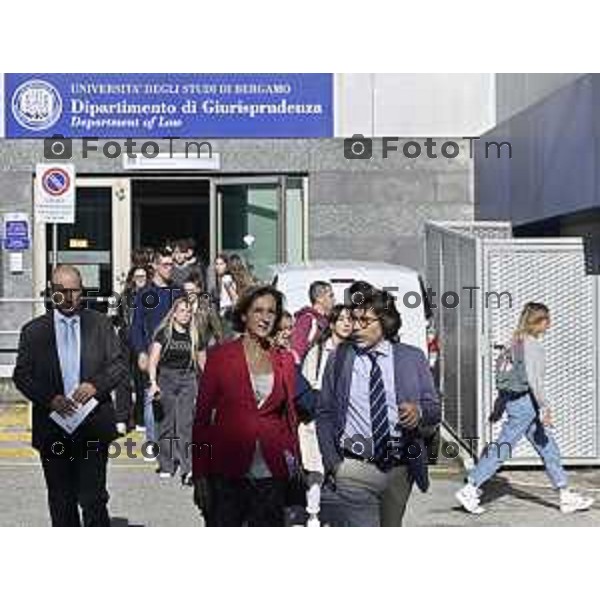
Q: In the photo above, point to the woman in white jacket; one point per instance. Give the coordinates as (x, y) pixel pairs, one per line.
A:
(340, 329)
(528, 414)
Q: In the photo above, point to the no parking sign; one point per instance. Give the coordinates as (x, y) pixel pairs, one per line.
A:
(55, 193)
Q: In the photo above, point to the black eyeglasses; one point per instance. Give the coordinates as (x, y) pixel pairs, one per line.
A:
(364, 322)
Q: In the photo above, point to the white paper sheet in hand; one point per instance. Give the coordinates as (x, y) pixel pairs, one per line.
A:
(72, 422)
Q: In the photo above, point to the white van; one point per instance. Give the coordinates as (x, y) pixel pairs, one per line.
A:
(403, 283)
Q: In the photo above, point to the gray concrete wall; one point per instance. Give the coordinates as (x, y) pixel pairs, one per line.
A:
(16, 186)
(361, 209)
(374, 210)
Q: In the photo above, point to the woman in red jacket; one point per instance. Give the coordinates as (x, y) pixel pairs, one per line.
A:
(245, 445)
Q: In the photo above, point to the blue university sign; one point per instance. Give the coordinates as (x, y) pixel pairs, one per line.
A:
(227, 105)
(16, 231)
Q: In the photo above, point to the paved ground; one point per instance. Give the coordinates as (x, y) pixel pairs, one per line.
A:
(139, 498)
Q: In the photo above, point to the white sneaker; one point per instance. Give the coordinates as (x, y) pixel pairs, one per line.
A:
(140, 429)
(468, 496)
(571, 502)
(313, 521)
(165, 475)
(122, 429)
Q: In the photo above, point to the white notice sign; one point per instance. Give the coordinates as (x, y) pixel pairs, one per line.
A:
(55, 193)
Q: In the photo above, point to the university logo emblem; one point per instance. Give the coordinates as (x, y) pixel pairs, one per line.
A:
(36, 105)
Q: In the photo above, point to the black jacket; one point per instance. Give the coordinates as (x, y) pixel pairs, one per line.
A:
(37, 375)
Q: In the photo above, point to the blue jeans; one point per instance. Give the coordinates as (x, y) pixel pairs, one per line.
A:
(149, 417)
(521, 422)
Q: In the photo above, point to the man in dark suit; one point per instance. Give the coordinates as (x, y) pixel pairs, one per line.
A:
(67, 357)
(376, 401)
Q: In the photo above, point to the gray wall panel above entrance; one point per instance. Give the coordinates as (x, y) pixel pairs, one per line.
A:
(251, 157)
(379, 216)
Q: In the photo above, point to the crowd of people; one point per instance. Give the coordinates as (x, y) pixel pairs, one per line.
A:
(322, 416)
(146, 316)
(232, 382)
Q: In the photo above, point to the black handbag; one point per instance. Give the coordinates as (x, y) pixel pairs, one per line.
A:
(305, 398)
(295, 489)
(202, 494)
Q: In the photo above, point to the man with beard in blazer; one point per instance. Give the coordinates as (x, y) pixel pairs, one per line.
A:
(66, 357)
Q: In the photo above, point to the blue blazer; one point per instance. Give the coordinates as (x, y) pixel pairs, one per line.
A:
(146, 319)
(413, 382)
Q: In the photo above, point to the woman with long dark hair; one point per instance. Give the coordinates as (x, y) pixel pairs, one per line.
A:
(338, 331)
(245, 433)
(241, 275)
(283, 336)
(220, 285)
(222, 291)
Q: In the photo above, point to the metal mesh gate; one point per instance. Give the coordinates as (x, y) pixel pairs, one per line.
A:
(484, 256)
(551, 272)
(451, 267)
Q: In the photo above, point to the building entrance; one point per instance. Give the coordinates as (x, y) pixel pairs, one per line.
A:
(168, 210)
(264, 219)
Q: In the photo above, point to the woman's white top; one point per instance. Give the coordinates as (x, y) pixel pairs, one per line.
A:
(307, 433)
(312, 369)
(225, 300)
(263, 386)
(535, 365)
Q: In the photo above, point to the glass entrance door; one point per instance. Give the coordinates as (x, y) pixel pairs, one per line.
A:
(262, 219)
(98, 243)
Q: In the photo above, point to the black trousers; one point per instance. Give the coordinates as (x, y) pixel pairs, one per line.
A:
(76, 477)
(251, 502)
(140, 383)
(125, 408)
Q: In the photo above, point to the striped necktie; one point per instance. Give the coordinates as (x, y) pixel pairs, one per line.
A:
(380, 424)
